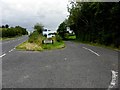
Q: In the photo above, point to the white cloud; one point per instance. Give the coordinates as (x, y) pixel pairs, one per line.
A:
(28, 12)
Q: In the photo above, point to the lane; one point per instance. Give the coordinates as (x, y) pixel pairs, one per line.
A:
(72, 67)
(91, 51)
(11, 44)
(107, 56)
(11, 40)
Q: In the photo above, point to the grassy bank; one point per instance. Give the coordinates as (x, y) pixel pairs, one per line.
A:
(35, 47)
(29, 46)
(56, 45)
(34, 43)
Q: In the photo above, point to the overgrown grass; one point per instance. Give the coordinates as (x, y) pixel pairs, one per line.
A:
(35, 37)
(29, 46)
(56, 45)
(71, 37)
(34, 43)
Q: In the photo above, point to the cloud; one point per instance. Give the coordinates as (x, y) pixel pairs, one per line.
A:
(28, 12)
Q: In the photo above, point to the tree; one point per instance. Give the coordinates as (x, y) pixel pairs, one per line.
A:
(96, 22)
(38, 27)
(3, 26)
(62, 29)
(6, 26)
(13, 31)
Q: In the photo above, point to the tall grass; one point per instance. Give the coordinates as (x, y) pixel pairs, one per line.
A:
(35, 37)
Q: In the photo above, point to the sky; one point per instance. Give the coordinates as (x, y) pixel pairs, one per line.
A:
(27, 13)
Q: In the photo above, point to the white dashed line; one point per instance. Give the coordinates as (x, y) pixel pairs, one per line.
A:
(85, 48)
(11, 50)
(65, 59)
(91, 51)
(114, 79)
(25, 77)
(2, 55)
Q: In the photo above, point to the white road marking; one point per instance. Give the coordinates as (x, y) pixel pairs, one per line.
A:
(2, 55)
(114, 79)
(85, 48)
(65, 59)
(11, 50)
(91, 51)
(25, 77)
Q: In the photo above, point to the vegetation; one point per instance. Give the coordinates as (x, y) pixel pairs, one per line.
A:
(29, 46)
(95, 22)
(71, 37)
(39, 27)
(35, 37)
(6, 32)
(62, 30)
(56, 45)
(34, 42)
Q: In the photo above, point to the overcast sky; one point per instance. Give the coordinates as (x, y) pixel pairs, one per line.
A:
(27, 13)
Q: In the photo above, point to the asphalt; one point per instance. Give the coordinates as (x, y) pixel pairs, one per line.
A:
(7, 45)
(71, 67)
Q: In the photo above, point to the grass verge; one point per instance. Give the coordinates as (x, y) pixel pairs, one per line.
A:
(35, 47)
(29, 46)
(34, 43)
(56, 45)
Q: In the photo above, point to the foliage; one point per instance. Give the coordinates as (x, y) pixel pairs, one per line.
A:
(62, 30)
(34, 43)
(29, 46)
(35, 37)
(38, 27)
(58, 38)
(96, 22)
(56, 45)
(12, 31)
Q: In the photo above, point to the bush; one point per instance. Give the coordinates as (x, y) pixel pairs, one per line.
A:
(35, 37)
(58, 38)
(13, 31)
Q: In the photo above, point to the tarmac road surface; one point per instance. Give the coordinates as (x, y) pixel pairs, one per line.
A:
(75, 66)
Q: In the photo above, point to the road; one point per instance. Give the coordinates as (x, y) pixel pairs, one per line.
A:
(8, 45)
(76, 66)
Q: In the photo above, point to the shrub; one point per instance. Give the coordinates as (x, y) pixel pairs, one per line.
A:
(58, 38)
(35, 37)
